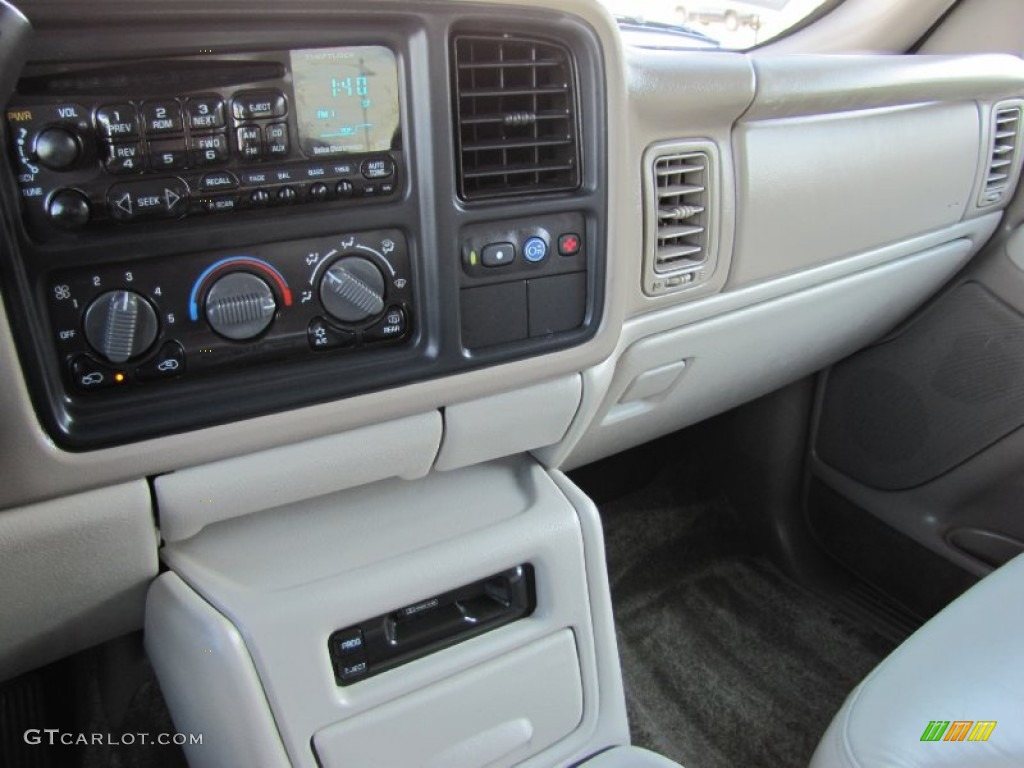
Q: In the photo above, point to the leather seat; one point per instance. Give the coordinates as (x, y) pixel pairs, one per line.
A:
(961, 671)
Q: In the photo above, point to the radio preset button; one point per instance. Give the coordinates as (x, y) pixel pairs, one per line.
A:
(256, 104)
(277, 139)
(152, 198)
(209, 150)
(213, 182)
(250, 142)
(205, 113)
(161, 117)
(377, 168)
(123, 157)
(168, 155)
(117, 121)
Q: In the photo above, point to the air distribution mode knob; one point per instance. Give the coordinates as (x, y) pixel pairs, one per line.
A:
(120, 325)
(352, 290)
(240, 306)
(57, 148)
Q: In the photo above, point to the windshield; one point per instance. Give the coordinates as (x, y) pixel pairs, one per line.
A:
(728, 24)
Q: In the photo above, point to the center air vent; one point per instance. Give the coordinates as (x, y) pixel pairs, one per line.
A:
(1006, 126)
(680, 203)
(516, 117)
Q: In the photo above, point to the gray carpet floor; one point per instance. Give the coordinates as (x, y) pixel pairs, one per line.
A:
(726, 662)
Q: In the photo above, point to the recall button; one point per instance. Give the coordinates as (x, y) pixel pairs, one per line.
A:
(212, 182)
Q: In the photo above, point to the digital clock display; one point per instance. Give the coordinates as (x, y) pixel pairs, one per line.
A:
(346, 100)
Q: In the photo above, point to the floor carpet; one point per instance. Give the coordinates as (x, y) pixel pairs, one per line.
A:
(726, 662)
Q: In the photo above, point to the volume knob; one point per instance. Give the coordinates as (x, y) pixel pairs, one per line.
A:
(120, 325)
(352, 290)
(240, 306)
(57, 148)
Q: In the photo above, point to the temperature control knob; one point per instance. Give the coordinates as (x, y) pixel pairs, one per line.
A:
(57, 148)
(352, 290)
(240, 306)
(120, 325)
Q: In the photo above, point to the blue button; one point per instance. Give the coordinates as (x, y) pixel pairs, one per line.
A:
(535, 249)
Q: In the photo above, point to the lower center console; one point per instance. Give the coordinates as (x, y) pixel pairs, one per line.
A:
(461, 619)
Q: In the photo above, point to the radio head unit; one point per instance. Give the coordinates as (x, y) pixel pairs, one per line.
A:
(181, 137)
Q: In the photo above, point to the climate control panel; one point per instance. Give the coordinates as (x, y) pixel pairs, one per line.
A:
(133, 325)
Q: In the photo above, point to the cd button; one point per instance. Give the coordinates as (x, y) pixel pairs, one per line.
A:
(277, 139)
(256, 104)
(161, 117)
(205, 113)
(117, 121)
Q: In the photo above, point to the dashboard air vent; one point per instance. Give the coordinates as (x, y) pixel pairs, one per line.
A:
(680, 213)
(1006, 132)
(516, 117)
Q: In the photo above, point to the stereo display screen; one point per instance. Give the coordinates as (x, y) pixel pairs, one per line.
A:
(346, 100)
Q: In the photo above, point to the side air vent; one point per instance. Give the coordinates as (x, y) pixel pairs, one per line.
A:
(516, 117)
(1003, 160)
(681, 201)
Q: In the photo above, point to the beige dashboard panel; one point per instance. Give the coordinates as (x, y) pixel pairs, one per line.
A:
(814, 189)
(74, 573)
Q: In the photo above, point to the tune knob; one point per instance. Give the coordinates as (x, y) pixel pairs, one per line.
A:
(57, 148)
(352, 290)
(240, 306)
(120, 325)
(68, 209)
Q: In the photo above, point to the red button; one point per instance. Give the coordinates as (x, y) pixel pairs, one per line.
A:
(569, 245)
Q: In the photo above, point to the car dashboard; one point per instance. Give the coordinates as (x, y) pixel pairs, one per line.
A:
(308, 307)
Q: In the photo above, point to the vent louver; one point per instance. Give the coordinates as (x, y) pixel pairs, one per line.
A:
(681, 197)
(1006, 126)
(681, 202)
(516, 117)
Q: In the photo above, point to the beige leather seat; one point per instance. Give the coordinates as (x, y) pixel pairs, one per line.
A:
(933, 701)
